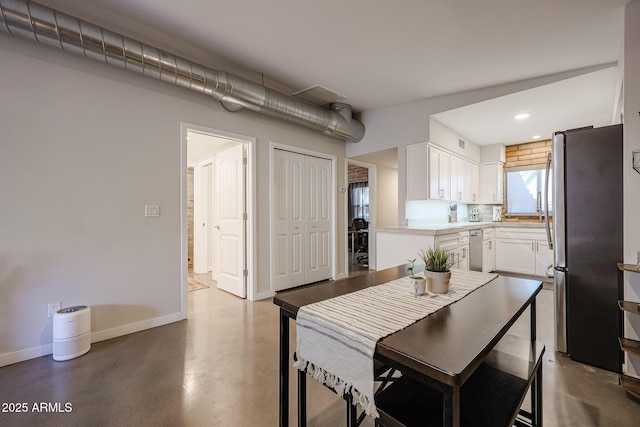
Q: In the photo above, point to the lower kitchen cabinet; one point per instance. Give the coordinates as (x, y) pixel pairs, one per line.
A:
(462, 255)
(488, 256)
(458, 245)
(544, 257)
(516, 256)
(524, 251)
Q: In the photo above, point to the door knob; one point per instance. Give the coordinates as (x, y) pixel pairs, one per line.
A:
(218, 227)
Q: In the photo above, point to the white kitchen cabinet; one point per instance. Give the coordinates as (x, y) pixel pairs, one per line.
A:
(418, 171)
(515, 256)
(463, 258)
(471, 182)
(458, 246)
(435, 174)
(457, 175)
(439, 174)
(491, 183)
(463, 250)
(523, 250)
(544, 257)
(488, 250)
(465, 180)
(488, 256)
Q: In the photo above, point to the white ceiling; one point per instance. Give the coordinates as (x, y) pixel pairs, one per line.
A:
(380, 53)
(586, 100)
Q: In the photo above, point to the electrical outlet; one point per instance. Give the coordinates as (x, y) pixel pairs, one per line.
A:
(151, 210)
(52, 307)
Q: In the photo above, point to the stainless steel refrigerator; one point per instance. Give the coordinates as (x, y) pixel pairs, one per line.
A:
(587, 241)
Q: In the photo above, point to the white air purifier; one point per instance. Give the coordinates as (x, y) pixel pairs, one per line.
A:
(71, 332)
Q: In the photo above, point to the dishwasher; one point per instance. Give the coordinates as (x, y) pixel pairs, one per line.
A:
(475, 250)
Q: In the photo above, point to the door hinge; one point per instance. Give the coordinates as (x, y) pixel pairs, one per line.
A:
(244, 216)
(244, 160)
(245, 273)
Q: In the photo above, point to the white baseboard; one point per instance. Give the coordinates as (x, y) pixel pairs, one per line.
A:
(136, 327)
(26, 354)
(263, 295)
(46, 349)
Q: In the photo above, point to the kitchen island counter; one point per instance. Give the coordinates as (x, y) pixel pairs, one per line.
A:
(395, 245)
(446, 228)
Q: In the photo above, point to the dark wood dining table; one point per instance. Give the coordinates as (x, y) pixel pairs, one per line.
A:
(443, 350)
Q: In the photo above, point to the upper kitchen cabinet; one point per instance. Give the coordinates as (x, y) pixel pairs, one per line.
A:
(457, 185)
(492, 158)
(436, 174)
(472, 182)
(491, 183)
(439, 174)
(465, 180)
(418, 171)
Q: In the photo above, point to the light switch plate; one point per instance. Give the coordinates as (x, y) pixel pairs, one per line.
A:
(151, 210)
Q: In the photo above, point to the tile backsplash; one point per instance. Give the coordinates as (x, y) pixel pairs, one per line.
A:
(425, 212)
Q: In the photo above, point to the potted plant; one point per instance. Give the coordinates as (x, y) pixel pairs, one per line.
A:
(418, 283)
(438, 263)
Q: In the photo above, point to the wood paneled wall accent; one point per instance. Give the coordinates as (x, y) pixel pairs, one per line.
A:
(358, 174)
(190, 217)
(530, 153)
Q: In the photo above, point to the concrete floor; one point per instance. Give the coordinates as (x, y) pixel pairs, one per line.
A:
(220, 368)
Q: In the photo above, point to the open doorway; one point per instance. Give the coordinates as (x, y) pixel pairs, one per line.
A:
(380, 170)
(361, 214)
(217, 224)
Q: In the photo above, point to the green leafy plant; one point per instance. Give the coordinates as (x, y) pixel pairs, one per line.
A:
(437, 259)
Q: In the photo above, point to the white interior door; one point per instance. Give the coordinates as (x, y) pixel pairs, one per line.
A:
(288, 216)
(296, 189)
(318, 219)
(281, 203)
(230, 219)
(302, 201)
(202, 224)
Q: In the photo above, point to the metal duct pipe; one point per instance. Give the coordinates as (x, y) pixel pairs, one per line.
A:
(47, 26)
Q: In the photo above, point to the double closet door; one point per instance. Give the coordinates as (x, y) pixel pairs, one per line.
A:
(302, 205)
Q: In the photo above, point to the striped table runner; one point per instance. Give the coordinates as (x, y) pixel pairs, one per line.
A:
(336, 338)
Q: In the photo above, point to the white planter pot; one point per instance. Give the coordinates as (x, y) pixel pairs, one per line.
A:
(438, 283)
(418, 286)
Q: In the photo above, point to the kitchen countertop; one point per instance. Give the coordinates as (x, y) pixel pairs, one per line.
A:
(445, 228)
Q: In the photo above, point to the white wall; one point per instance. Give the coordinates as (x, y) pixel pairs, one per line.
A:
(445, 137)
(83, 148)
(387, 197)
(631, 177)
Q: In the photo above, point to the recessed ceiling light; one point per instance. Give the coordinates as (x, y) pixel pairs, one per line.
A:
(536, 136)
(522, 116)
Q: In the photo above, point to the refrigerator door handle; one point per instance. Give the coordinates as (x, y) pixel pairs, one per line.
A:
(560, 303)
(546, 201)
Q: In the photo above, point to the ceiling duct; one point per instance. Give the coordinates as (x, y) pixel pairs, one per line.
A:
(53, 28)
